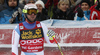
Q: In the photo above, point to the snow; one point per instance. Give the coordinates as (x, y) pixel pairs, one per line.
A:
(71, 23)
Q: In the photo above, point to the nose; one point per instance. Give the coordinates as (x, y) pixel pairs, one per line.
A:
(33, 14)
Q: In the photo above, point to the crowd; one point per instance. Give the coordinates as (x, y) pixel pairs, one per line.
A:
(11, 11)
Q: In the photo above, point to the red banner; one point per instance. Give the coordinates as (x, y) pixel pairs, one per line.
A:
(77, 35)
(63, 35)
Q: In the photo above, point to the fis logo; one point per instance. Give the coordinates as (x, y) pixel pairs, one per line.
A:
(21, 27)
(38, 25)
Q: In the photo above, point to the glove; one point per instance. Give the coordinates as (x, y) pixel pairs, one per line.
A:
(19, 14)
(98, 6)
(15, 14)
(51, 34)
(80, 12)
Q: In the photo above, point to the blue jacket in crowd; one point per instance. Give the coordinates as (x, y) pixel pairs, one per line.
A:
(85, 17)
(6, 14)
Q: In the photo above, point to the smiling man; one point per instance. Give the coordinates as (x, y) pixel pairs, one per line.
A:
(30, 34)
(12, 7)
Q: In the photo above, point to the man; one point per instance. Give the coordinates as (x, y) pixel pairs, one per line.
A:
(29, 34)
(12, 14)
(95, 12)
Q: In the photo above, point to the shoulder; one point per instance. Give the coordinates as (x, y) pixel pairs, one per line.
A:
(42, 24)
(16, 27)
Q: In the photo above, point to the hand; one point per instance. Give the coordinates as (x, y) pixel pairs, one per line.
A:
(19, 14)
(11, 20)
(14, 15)
(51, 34)
(80, 12)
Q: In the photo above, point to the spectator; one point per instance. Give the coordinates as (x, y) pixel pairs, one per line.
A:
(63, 11)
(3, 5)
(12, 14)
(83, 13)
(42, 12)
(95, 12)
(30, 1)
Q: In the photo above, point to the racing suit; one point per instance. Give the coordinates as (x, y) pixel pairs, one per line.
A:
(30, 37)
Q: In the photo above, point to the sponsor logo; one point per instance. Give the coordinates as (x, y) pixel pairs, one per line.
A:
(38, 25)
(21, 27)
(31, 34)
(27, 42)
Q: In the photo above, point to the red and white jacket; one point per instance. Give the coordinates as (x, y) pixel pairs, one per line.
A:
(95, 14)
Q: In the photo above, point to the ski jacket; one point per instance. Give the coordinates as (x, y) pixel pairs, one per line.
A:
(30, 37)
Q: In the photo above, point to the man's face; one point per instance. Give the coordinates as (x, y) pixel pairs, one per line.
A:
(31, 17)
(12, 3)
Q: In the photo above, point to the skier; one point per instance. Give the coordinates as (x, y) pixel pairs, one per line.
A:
(30, 34)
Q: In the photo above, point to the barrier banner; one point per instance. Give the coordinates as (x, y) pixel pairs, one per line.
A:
(63, 35)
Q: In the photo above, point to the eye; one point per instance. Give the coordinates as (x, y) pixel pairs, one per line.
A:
(62, 4)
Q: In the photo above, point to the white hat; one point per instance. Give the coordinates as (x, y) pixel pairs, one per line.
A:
(40, 2)
(30, 6)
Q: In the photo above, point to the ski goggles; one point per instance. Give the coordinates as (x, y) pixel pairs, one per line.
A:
(30, 11)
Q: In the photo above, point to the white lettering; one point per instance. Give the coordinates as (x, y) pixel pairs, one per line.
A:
(62, 36)
(96, 35)
(1, 36)
(24, 47)
(37, 47)
(23, 42)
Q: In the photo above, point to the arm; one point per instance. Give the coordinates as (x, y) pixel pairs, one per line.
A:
(15, 40)
(45, 30)
(93, 15)
(4, 21)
